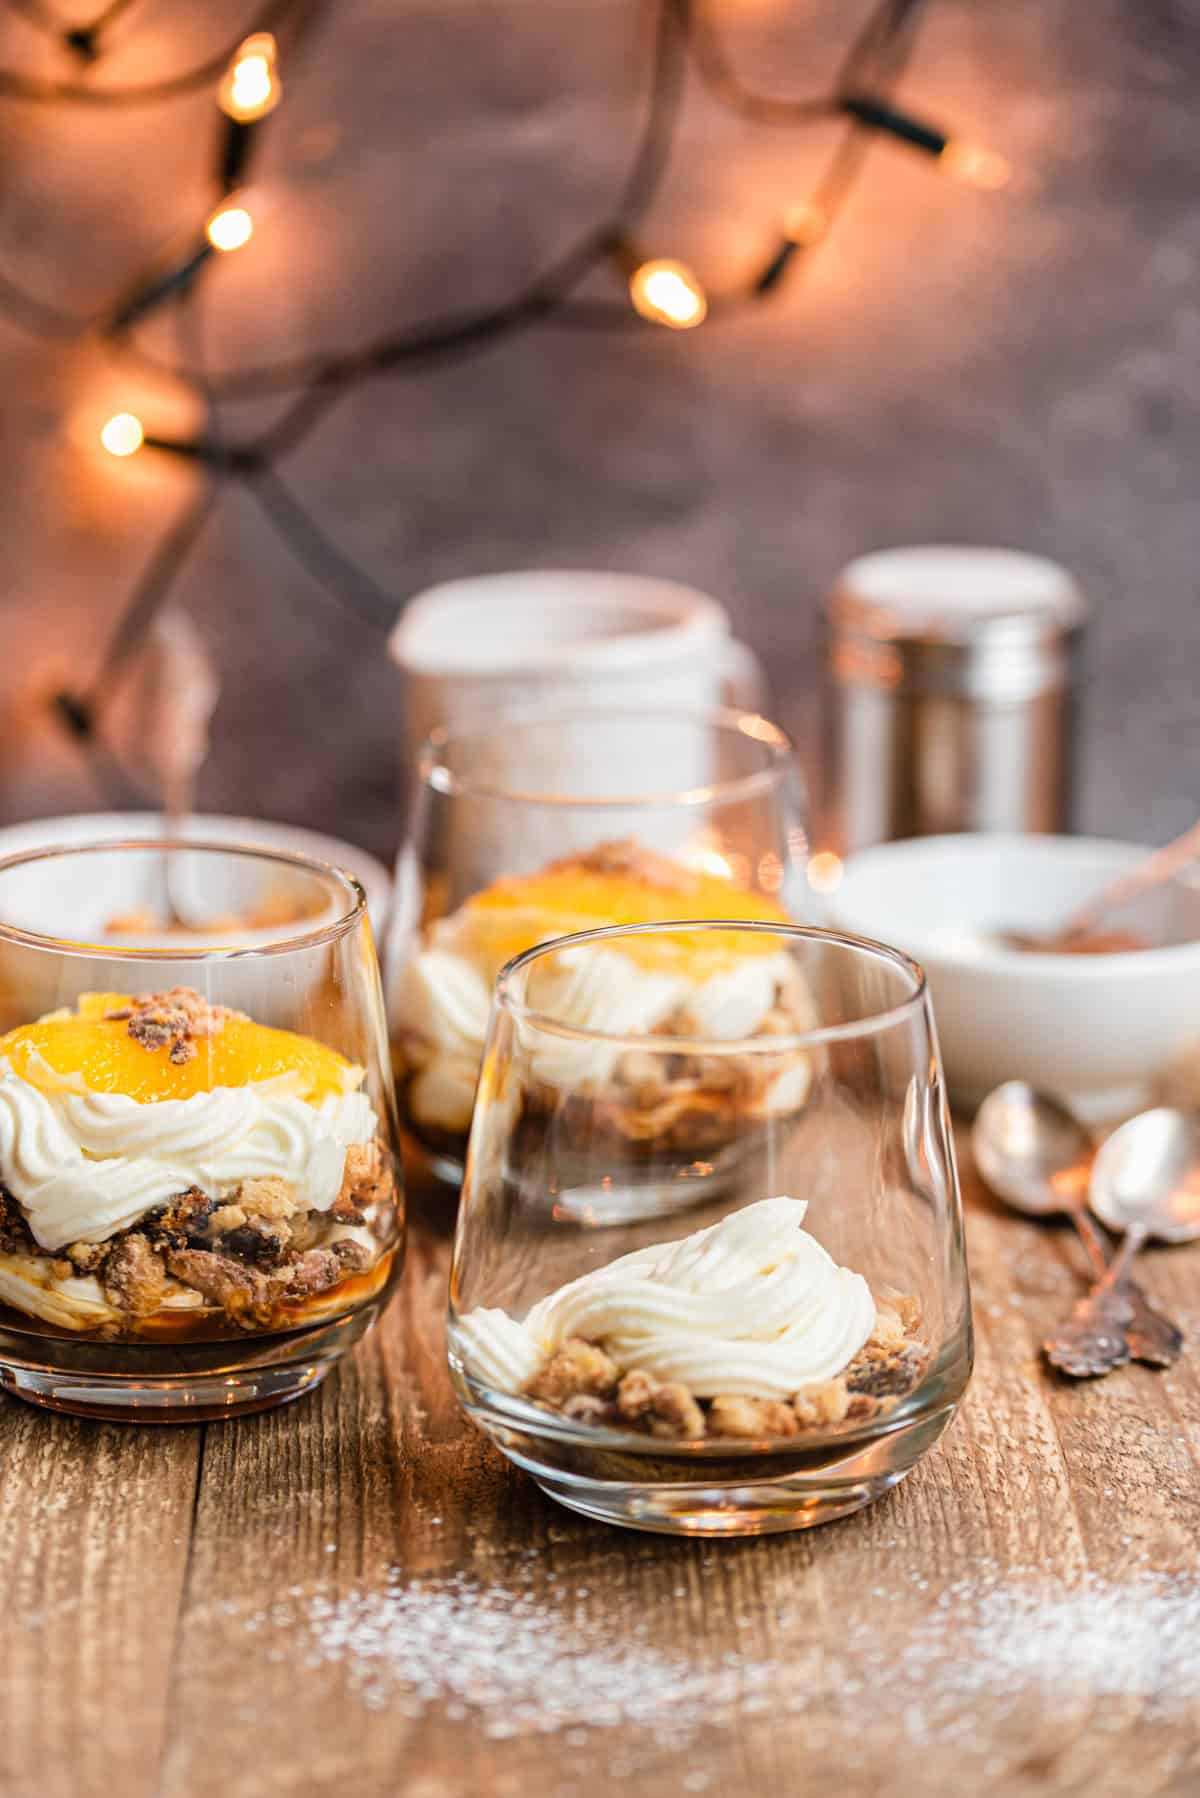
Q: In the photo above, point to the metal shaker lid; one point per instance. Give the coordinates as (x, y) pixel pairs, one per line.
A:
(991, 624)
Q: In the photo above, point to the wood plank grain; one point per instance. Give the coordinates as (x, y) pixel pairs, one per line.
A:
(376, 1598)
(95, 1524)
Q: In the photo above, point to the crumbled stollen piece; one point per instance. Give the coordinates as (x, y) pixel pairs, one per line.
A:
(225, 1219)
(729, 1415)
(259, 1241)
(367, 1180)
(584, 1383)
(816, 1407)
(578, 1367)
(87, 1257)
(175, 1020)
(134, 1276)
(664, 1407)
(182, 1220)
(16, 1238)
(268, 1196)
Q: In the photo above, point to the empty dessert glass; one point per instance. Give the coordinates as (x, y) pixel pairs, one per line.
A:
(200, 1208)
(784, 1351)
(535, 827)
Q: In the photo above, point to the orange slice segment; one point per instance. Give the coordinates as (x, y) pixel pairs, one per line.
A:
(102, 1054)
(515, 913)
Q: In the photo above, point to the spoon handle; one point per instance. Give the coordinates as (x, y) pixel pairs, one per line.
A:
(1159, 866)
(1094, 1339)
(1152, 1337)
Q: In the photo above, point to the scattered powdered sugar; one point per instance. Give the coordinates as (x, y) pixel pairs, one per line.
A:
(990, 1646)
(526, 1667)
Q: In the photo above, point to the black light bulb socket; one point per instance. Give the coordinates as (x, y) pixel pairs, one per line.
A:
(775, 270)
(152, 292)
(233, 152)
(880, 117)
(76, 713)
(82, 42)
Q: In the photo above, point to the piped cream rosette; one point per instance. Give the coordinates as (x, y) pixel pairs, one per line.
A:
(752, 1306)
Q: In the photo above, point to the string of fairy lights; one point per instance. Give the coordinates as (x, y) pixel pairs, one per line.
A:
(659, 291)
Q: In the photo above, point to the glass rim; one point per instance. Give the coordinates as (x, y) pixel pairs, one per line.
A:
(133, 951)
(751, 726)
(506, 1000)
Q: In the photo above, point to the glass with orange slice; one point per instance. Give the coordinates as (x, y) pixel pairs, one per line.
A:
(533, 829)
(200, 1205)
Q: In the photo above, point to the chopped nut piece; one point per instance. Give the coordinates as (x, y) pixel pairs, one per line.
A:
(174, 1020)
(314, 1271)
(577, 1367)
(355, 1257)
(819, 1405)
(134, 1276)
(729, 1415)
(226, 1282)
(664, 1407)
(267, 1196)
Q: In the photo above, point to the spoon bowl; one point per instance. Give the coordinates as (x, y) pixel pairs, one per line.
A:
(1030, 1150)
(1146, 1177)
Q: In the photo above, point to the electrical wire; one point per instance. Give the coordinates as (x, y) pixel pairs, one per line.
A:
(683, 30)
(14, 85)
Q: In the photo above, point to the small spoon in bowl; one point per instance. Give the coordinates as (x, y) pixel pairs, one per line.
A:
(1038, 1158)
(1146, 1182)
(1078, 935)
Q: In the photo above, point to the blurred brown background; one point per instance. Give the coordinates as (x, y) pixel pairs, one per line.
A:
(1017, 368)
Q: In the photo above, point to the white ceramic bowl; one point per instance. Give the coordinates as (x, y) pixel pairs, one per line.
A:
(1100, 1030)
(96, 827)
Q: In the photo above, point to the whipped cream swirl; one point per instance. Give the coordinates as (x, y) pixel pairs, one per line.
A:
(85, 1165)
(753, 1306)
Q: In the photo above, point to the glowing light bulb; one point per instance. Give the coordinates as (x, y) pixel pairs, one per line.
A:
(824, 871)
(230, 228)
(668, 293)
(975, 165)
(251, 88)
(805, 223)
(123, 434)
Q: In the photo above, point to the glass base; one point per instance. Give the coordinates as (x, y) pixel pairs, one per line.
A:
(688, 1489)
(763, 1509)
(164, 1401)
(195, 1382)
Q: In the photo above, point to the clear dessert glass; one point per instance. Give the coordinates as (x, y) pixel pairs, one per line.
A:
(786, 1350)
(535, 827)
(200, 1208)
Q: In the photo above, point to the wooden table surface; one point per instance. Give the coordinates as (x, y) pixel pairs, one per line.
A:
(357, 1595)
